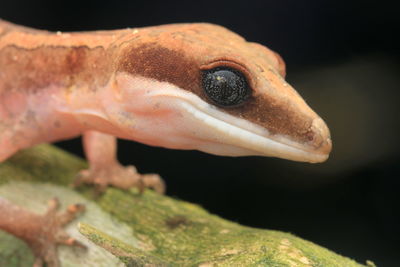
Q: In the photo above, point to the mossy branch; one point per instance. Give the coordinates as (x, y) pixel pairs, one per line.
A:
(143, 230)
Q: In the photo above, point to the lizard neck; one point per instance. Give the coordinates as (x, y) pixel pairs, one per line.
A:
(41, 72)
(65, 60)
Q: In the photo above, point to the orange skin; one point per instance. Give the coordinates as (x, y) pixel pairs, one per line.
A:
(74, 63)
(145, 85)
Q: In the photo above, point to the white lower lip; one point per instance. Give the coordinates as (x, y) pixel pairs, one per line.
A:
(250, 140)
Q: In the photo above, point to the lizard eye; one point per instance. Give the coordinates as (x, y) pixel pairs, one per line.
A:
(226, 86)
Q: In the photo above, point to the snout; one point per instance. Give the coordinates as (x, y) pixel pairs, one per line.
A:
(321, 142)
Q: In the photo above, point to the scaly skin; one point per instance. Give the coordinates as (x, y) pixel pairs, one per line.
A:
(58, 85)
(146, 85)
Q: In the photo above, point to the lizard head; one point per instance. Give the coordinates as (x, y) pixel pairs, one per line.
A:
(201, 86)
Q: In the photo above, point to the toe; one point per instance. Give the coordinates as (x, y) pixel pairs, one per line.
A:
(70, 214)
(154, 181)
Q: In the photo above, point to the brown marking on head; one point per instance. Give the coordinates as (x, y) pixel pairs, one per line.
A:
(178, 53)
(162, 64)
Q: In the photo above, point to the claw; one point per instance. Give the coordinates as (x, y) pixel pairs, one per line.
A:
(155, 182)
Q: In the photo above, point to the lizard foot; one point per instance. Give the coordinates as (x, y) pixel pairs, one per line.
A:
(120, 177)
(43, 233)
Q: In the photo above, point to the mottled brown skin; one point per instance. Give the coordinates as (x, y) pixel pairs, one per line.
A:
(49, 63)
(34, 62)
(72, 66)
(173, 53)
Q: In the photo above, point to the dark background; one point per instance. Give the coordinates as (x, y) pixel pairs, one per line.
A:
(342, 57)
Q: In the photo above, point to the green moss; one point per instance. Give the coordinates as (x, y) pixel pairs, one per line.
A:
(169, 232)
(14, 252)
(44, 163)
(128, 254)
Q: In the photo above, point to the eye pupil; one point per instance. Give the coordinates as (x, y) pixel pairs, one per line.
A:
(225, 86)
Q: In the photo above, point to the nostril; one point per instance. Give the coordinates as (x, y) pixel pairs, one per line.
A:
(321, 142)
(325, 146)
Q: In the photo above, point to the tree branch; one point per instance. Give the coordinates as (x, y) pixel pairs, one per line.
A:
(159, 230)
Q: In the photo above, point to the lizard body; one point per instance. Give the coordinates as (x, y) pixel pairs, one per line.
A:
(143, 84)
(183, 86)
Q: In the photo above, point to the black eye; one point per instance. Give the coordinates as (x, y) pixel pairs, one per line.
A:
(226, 86)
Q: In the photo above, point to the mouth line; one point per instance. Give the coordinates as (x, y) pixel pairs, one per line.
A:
(241, 133)
(251, 139)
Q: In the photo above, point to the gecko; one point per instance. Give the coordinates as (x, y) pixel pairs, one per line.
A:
(193, 86)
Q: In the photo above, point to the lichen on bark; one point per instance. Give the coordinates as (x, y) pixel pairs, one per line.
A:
(156, 230)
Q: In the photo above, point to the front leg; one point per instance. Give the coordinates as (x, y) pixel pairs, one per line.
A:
(104, 168)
